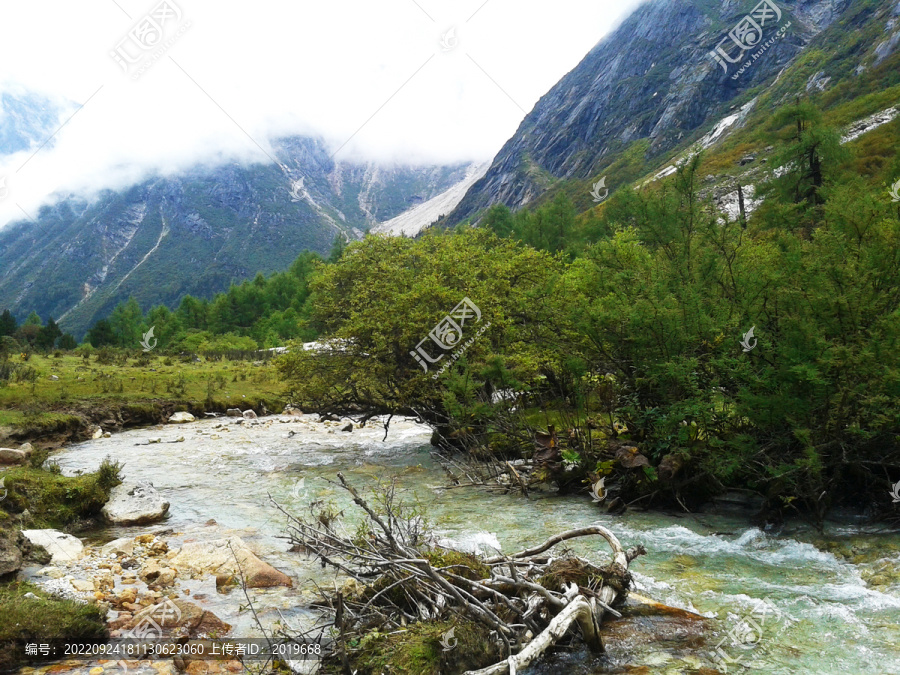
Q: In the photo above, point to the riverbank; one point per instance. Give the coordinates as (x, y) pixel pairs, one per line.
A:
(228, 470)
(56, 400)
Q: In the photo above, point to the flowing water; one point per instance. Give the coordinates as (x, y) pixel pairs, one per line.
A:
(821, 614)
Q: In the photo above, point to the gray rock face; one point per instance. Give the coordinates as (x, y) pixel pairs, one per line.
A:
(210, 207)
(135, 504)
(61, 547)
(652, 79)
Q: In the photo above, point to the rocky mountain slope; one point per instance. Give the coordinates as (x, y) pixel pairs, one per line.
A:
(27, 119)
(197, 232)
(652, 87)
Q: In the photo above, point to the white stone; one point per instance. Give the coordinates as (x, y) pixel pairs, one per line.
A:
(182, 418)
(61, 547)
(124, 546)
(135, 504)
(10, 456)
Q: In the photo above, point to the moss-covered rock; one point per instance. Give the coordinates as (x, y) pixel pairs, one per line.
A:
(440, 648)
(55, 501)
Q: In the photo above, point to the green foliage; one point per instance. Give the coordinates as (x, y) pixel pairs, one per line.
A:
(385, 295)
(258, 313)
(48, 335)
(56, 501)
(32, 615)
(8, 324)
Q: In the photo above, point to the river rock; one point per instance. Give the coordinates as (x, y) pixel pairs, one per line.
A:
(82, 585)
(61, 547)
(135, 504)
(348, 428)
(10, 552)
(229, 556)
(119, 547)
(249, 415)
(188, 618)
(27, 448)
(98, 433)
(10, 456)
(153, 573)
(182, 418)
(234, 412)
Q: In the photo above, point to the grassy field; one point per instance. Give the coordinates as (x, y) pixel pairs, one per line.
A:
(32, 399)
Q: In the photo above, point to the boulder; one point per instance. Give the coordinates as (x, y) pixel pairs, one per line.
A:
(182, 418)
(10, 552)
(153, 573)
(119, 547)
(234, 412)
(228, 556)
(27, 448)
(630, 458)
(135, 504)
(10, 456)
(292, 411)
(61, 547)
(249, 415)
(348, 428)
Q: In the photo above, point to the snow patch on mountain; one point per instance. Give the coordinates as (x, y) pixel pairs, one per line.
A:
(412, 222)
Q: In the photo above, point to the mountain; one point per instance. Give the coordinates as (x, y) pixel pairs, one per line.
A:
(652, 88)
(412, 222)
(197, 232)
(28, 119)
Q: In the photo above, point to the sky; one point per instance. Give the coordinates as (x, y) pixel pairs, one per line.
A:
(163, 85)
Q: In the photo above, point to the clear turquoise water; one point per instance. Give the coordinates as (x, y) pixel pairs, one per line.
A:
(823, 618)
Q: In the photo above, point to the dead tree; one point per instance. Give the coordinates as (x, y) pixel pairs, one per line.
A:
(527, 601)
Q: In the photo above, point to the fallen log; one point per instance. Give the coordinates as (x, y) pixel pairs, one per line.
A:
(579, 610)
(525, 603)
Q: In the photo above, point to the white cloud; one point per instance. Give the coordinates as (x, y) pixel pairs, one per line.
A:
(278, 67)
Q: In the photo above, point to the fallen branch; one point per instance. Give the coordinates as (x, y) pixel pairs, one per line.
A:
(404, 576)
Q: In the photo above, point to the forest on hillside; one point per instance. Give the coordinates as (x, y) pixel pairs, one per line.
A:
(757, 352)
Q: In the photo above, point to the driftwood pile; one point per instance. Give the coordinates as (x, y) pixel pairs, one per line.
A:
(527, 602)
